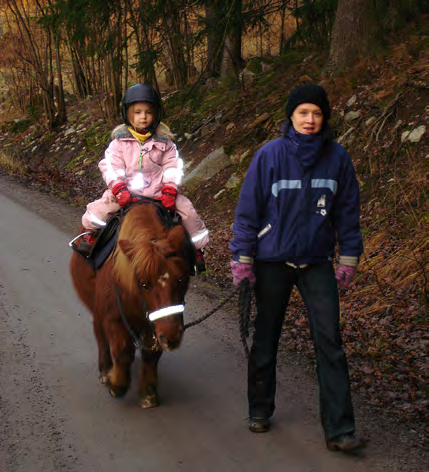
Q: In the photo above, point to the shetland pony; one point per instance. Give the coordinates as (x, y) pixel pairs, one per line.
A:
(136, 299)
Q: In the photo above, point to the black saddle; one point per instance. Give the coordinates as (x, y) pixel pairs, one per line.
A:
(106, 238)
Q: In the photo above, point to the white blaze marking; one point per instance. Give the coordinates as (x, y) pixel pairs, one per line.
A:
(163, 279)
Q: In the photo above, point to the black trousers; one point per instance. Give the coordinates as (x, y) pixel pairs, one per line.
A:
(318, 288)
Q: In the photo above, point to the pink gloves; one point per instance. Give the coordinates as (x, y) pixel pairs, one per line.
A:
(122, 194)
(344, 274)
(241, 271)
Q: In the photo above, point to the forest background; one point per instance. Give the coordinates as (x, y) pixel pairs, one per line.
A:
(224, 70)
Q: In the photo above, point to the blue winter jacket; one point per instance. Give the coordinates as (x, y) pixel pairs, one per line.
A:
(297, 202)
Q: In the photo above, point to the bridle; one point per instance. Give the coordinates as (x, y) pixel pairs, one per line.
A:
(244, 308)
(138, 339)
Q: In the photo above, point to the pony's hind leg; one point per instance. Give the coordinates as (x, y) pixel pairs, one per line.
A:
(149, 378)
(104, 358)
(122, 351)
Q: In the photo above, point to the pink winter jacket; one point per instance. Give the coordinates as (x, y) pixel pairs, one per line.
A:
(145, 168)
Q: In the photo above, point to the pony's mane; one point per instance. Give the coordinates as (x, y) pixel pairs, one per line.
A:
(150, 246)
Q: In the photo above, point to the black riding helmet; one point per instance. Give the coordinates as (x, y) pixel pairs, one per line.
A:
(141, 93)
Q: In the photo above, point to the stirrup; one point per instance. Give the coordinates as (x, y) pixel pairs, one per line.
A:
(84, 248)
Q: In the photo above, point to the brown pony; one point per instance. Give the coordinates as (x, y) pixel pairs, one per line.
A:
(136, 299)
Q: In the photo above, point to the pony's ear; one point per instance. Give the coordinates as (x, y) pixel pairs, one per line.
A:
(176, 237)
(127, 247)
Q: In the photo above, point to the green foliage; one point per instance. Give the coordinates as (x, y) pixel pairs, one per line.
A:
(46, 138)
(255, 65)
(16, 126)
(265, 79)
(396, 14)
(315, 20)
(35, 111)
(279, 114)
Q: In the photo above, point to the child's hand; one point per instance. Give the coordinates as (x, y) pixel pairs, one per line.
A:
(168, 198)
(123, 195)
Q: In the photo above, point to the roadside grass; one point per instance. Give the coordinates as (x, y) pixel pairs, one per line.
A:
(11, 165)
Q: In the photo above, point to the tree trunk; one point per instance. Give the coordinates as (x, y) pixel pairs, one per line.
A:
(282, 27)
(174, 41)
(353, 35)
(59, 89)
(214, 38)
(231, 58)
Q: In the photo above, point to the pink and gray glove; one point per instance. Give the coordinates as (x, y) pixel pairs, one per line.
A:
(241, 271)
(344, 274)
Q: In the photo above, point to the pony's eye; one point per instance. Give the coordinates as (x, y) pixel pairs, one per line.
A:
(146, 286)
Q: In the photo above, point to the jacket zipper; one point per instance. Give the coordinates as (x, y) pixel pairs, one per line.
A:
(142, 148)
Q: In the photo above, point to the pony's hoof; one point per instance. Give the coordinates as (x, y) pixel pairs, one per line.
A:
(103, 377)
(149, 402)
(116, 391)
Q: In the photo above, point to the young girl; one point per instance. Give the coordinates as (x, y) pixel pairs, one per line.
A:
(142, 160)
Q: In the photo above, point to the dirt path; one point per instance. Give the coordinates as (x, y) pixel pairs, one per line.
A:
(55, 416)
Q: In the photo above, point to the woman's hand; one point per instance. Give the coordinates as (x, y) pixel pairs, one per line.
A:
(241, 271)
(345, 274)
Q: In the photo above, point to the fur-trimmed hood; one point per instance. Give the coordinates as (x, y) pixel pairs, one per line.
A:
(162, 134)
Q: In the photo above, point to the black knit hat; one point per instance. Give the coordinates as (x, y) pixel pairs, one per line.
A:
(308, 93)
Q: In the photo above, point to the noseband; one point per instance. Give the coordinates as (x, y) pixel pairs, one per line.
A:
(167, 311)
(138, 340)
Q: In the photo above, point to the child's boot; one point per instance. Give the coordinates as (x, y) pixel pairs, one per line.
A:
(201, 263)
(86, 244)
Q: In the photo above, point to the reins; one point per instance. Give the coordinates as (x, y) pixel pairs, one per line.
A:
(138, 341)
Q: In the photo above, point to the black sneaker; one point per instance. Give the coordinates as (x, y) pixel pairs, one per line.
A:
(201, 263)
(259, 425)
(86, 245)
(346, 443)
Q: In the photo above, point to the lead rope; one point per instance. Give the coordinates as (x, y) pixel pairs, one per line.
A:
(244, 304)
(207, 315)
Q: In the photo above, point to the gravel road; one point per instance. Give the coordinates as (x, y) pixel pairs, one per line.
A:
(56, 416)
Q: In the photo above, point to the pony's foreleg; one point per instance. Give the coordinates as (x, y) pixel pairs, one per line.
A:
(148, 386)
(122, 351)
(104, 359)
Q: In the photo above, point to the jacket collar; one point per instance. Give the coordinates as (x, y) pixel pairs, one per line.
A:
(307, 148)
(123, 133)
